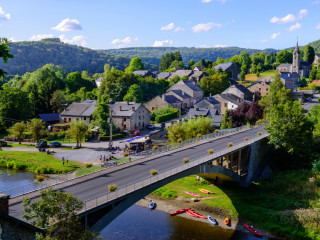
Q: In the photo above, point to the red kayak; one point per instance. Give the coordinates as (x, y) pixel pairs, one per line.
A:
(180, 211)
(195, 214)
(193, 194)
(251, 229)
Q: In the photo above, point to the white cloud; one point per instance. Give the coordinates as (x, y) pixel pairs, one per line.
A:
(207, 1)
(124, 41)
(4, 16)
(170, 26)
(294, 27)
(67, 25)
(179, 29)
(204, 46)
(220, 46)
(318, 26)
(76, 40)
(275, 35)
(164, 43)
(315, 2)
(290, 17)
(13, 39)
(264, 40)
(40, 37)
(205, 27)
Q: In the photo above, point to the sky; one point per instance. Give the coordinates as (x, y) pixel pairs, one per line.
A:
(105, 24)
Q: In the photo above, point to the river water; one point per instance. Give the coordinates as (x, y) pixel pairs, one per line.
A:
(141, 223)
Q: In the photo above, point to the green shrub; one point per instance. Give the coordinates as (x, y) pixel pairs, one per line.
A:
(230, 144)
(112, 187)
(185, 160)
(259, 133)
(216, 131)
(153, 172)
(198, 135)
(166, 193)
(40, 178)
(179, 140)
(155, 147)
(88, 165)
(40, 170)
(10, 164)
(166, 117)
(19, 166)
(126, 154)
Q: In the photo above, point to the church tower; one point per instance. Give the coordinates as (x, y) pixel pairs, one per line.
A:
(296, 60)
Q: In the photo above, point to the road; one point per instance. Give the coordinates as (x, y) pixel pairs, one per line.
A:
(122, 176)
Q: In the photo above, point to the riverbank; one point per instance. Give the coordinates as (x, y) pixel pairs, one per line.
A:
(287, 205)
(37, 162)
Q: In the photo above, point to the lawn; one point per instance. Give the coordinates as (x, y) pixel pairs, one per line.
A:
(21, 145)
(287, 204)
(253, 77)
(37, 162)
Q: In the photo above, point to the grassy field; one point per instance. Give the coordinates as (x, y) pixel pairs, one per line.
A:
(286, 205)
(21, 145)
(37, 162)
(253, 77)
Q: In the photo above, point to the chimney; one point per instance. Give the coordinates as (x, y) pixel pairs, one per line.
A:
(4, 203)
(133, 109)
(120, 108)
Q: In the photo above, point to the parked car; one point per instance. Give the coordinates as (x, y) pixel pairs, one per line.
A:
(136, 133)
(55, 144)
(75, 147)
(151, 126)
(41, 144)
(3, 144)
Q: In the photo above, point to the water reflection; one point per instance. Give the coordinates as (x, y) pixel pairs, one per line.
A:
(11, 178)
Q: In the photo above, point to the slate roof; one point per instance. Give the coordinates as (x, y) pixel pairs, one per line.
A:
(230, 98)
(197, 74)
(194, 112)
(181, 73)
(318, 54)
(223, 66)
(50, 117)
(291, 74)
(170, 99)
(208, 102)
(164, 75)
(284, 65)
(240, 87)
(126, 108)
(191, 84)
(79, 109)
(99, 79)
(181, 93)
(142, 72)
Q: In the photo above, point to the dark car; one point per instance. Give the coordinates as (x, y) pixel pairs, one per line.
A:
(151, 126)
(3, 144)
(55, 144)
(41, 144)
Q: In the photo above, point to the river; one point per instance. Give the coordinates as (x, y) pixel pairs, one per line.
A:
(141, 223)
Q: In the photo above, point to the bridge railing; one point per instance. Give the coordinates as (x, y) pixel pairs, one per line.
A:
(48, 182)
(109, 196)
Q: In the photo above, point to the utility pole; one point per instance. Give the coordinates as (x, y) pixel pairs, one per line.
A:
(110, 124)
(180, 113)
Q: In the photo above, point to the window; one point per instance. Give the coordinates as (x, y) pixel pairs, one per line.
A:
(226, 104)
(65, 120)
(124, 126)
(69, 120)
(84, 118)
(259, 89)
(77, 119)
(267, 89)
(124, 119)
(152, 108)
(139, 117)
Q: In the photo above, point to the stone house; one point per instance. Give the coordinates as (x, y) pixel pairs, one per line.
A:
(230, 67)
(240, 91)
(129, 116)
(290, 80)
(208, 103)
(164, 75)
(181, 73)
(143, 73)
(163, 101)
(190, 88)
(228, 101)
(186, 99)
(316, 60)
(197, 76)
(79, 112)
(259, 89)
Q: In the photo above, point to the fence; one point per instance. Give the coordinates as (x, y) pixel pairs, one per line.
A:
(107, 197)
(21, 190)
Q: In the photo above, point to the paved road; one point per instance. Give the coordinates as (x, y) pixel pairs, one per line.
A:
(128, 174)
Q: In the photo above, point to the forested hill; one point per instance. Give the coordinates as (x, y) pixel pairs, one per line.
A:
(29, 56)
(153, 55)
(315, 45)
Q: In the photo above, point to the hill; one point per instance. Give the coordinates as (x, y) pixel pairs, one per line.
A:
(29, 56)
(315, 45)
(152, 55)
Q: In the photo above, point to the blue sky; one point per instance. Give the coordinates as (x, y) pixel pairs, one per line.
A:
(103, 24)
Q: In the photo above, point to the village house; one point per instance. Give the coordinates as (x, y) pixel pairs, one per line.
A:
(99, 81)
(190, 88)
(230, 67)
(259, 89)
(162, 101)
(181, 73)
(198, 68)
(50, 118)
(129, 116)
(208, 103)
(228, 101)
(316, 60)
(240, 91)
(143, 73)
(164, 75)
(185, 99)
(196, 76)
(290, 80)
(79, 112)
(205, 112)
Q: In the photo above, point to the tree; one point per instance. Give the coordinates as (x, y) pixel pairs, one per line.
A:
(191, 63)
(35, 127)
(101, 114)
(135, 64)
(177, 56)
(57, 213)
(313, 73)
(134, 94)
(226, 122)
(18, 130)
(284, 57)
(289, 128)
(215, 84)
(74, 81)
(57, 101)
(309, 54)
(4, 53)
(77, 131)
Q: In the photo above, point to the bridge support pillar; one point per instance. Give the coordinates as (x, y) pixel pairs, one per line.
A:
(239, 162)
(231, 161)
(4, 203)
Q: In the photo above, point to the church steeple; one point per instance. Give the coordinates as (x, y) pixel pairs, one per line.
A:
(296, 60)
(297, 48)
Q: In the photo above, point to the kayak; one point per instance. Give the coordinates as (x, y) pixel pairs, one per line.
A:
(193, 194)
(227, 221)
(212, 220)
(179, 211)
(195, 214)
(206, 191)
(152, 205)
(251, 229)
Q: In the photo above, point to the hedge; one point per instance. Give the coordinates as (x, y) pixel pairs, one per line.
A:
(114, 137)
(166, 117)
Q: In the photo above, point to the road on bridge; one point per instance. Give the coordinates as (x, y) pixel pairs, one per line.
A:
(93, 185)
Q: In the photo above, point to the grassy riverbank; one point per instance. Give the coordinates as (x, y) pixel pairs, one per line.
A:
(286, 205)
(37, 162)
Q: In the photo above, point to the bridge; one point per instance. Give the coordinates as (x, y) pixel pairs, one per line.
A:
(241, 162)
